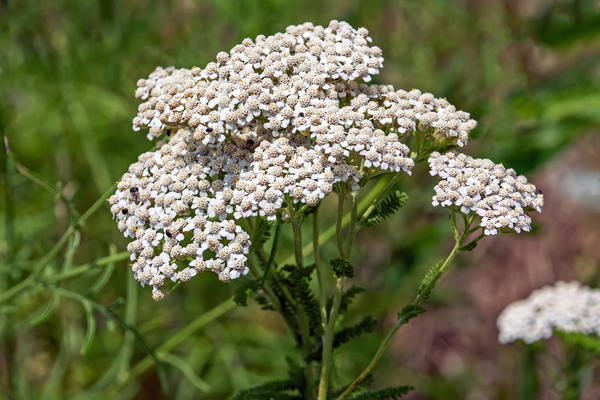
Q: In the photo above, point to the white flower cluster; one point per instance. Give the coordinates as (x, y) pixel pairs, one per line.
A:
(276, 121)
(496, 194)
(568, 307)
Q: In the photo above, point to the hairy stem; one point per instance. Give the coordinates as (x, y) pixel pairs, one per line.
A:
(403, 319)
(272, 253)
(328, 339)
(338, 225)
(297, 231)
(388, 182)
(345, 250)
(296, 221)
(353, 222)
(369, 200)
(319, 268)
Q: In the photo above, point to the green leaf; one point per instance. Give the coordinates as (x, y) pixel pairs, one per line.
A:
(385, 208)
(428, 282)
(391, 393)
(409, 311)
(245, 288)
(346, 299)
(298, 281)
(342, 268)
(261, 233)
(344, 335)
(274, 390)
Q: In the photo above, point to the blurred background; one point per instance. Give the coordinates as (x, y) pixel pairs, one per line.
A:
(527, 70)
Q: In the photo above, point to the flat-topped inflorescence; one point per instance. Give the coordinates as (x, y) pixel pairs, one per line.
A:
(495, 193)
(568, 307)
(277, 121)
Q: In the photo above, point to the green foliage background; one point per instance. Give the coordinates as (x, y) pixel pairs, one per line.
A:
(529, 71)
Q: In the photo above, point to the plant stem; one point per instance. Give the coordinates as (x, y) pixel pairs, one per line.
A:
(365, 203)
(388, 182)
(328, 339)
(296, 221)
(83, 268)
(401, 321)
(353, 221)
(318, 267)
(574, 364)
(338, 226)
(345, 250)
(272, 253)
(297, 230)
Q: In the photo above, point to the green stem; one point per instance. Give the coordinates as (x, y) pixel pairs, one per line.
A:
(328, 339)
(574, 364)
(369, 200)
(353, 221)
(401, 321)
(339, 227)
(297, 231)
(345, 250)
(83, 268)
(388, 183)
(272, 253)
(296, 221)
(318, 267)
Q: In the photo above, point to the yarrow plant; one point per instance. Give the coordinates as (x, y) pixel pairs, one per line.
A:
(255, 140)
(566, 309)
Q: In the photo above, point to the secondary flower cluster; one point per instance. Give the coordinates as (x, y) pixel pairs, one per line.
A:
(275, 122)
(496, 194)
(568, 307)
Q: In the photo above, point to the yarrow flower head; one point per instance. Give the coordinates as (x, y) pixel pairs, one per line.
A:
(493, 192)
(568, 307)
(274, 122)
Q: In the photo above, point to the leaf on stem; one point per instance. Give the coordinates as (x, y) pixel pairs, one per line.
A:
(342, 268)
(244, 289)
(298, 281)
(428, 282)
(261, 233)
(410, 311)
(279, 389)
(391, 393)
(386, 208)
(346, 299)
(344, 335)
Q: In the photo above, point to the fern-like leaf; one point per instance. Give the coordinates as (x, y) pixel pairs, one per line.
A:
(244, 289)
(408, 312)
(428, 282)
(346, 299)
(366, 325)
(274, 390)
(386, 208)
(261, 233)
(343, 336)
(298, 281)
(391, 393)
